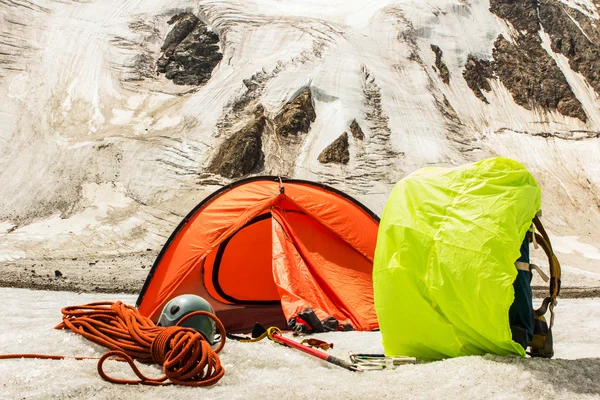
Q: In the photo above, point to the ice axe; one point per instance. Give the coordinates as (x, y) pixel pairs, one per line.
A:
(259, 332)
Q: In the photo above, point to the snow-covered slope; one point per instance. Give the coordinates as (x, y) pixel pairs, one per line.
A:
(102, 154)
(267, 370)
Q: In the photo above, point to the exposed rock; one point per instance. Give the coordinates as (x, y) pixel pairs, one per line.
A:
(522, 14)
(456, 130)
(184, 25)
(242, 153)
(258, 111)
(143, 64)
(337, 152)
(440, 65)
(356, 131)
(58, 274)
(582, 50)
(476, 73)
(533, 78)
(571, 135)
(190, 51)
(375, 159)
(525, 68)
(296, 116)
(246, 104)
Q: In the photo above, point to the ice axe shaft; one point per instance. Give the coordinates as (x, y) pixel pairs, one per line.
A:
(313, 352)
(259, 332)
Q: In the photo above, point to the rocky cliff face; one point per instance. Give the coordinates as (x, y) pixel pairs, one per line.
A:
(296, 116)
(118, 117)
(336, 152)
(241, 154)
(440, 65)
(575, 35)
(522, 64)
(190, 51)
(533, 78)
(477, 74)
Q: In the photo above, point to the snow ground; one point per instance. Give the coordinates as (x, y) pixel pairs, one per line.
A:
(268, 370)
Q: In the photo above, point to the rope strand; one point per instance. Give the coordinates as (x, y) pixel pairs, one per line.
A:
(186, 357)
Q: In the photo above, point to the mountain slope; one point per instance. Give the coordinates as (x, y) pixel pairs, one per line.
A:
(118, 117)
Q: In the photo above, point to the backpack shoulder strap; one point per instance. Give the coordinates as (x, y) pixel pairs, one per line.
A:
(544, 241)
(542, 343)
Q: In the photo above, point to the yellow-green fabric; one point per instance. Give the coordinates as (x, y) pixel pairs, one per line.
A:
(444, 262)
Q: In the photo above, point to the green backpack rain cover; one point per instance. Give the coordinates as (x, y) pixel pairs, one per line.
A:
(444, 262)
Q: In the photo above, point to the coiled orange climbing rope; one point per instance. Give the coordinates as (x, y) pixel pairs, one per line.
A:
(186, 357)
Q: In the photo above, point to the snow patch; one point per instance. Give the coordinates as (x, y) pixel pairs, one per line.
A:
(352, 13)
(121, 117)
(586, 7)
(571, 245)
(167, 122)
(5, 227)
(19, 86)
(135, 101)
(143, 125)
(12, 255)
(102, 198)
(158, 99)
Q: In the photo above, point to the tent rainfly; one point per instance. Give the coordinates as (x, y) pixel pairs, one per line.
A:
(272, 250)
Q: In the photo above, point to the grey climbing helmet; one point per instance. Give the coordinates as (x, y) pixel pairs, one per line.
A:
(181, 306)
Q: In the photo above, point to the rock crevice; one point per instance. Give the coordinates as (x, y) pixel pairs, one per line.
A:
(440, 65)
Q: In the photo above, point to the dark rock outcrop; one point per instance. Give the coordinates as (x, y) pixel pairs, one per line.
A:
(522, 14)
(476, 73)
(337, 152)
(567, 38)
(184, 24)
(190, 51)
(582, 50)
(356, 131)
(296, 116)
(242, 153)
(524, 66)
(440, 65)
(533, 78)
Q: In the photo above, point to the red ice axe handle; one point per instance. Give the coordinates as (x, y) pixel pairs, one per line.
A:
(314, 352)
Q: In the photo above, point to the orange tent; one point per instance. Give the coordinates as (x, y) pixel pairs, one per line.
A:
(274, 251)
